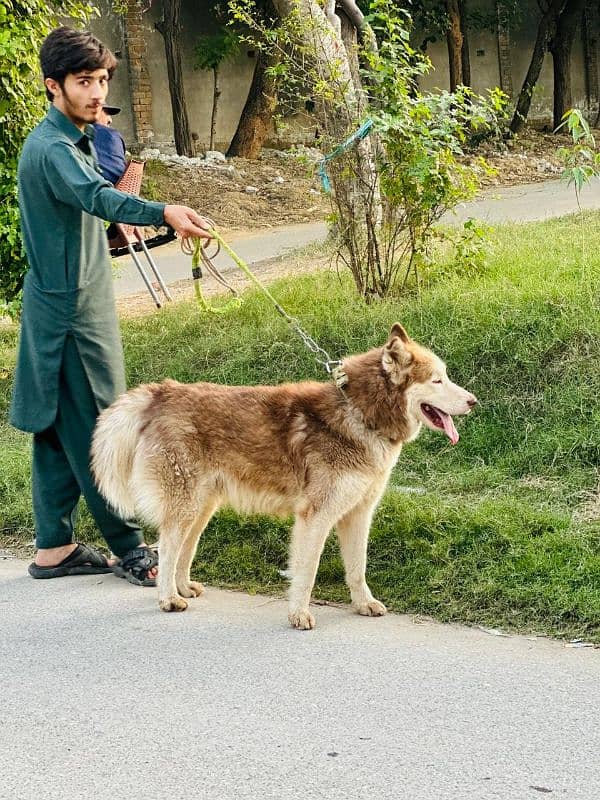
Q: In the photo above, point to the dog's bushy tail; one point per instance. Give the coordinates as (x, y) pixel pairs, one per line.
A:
(113, 448)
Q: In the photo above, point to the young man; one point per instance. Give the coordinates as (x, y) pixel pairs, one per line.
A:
(70, 361)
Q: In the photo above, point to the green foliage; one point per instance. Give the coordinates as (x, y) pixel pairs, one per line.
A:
(582, 163)
(389, 189)
(212, 49)
(581, 160)
(23, 26)
(422, 137)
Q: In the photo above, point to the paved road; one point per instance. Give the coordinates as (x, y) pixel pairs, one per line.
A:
(528, 203)
(253, 248)
(525, 203)
(105, 697)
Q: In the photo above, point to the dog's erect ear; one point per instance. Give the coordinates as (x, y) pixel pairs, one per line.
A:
(398, 330)
(396, 359)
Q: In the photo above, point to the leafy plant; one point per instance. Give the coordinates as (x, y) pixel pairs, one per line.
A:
(388, 189)
(210, 52)
(582, 163)
(23, 27)
(581, 160)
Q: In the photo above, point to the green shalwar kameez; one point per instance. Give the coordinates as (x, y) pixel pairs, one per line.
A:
(70, 360)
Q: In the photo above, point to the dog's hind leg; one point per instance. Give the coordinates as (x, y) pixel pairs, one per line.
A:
(185, 586)
(172, 537)
(308, 538)
(353, 534)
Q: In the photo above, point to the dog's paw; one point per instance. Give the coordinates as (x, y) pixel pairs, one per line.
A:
(371, 608)
(191, 589)
(303, 620)
(173, 603)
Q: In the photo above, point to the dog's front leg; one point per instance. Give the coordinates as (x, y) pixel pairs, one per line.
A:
(308, 538)
(353, 535)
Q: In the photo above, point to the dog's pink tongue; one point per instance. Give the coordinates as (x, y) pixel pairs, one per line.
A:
(449, 427)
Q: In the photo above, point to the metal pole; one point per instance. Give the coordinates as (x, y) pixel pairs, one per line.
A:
(142, 272)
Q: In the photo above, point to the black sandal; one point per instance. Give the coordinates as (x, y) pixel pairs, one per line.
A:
(84, 560)
(136, 565)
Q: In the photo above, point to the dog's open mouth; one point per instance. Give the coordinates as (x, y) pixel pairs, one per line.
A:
(437, 419)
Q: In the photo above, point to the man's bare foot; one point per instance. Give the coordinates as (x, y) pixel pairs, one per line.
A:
(70, 559)
(53, 556)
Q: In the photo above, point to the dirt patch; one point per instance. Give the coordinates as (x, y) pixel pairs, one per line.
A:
(282, 189)
(15, 546)
(529, 158)
(276, 189)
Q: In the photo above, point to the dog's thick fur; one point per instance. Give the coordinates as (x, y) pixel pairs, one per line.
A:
(174, 453)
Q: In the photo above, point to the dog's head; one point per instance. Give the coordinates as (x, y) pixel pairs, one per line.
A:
(429, 395)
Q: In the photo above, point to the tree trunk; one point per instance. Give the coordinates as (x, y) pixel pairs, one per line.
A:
(546, 28)
(465, 59)
(349, 36)
(454, 39)
(352, 174)
(213, 117)
(561, 46)
(364, 31)
(257, 116)
(591, 26)
(170, 29)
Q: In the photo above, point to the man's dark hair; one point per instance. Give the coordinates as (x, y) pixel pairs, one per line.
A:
(66, 51)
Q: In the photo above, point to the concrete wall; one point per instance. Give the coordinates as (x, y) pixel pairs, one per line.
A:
(485, 72)
(483, 51)
(235, 79)
(109, 28)
(236, 74)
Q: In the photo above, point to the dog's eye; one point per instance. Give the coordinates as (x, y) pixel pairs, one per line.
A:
(436, 381)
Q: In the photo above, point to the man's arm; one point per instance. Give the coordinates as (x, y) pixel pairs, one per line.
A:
(77, 184)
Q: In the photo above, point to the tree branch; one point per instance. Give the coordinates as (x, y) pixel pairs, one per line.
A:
(357, 18)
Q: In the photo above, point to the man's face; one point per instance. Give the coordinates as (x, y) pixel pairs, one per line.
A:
(81, 96)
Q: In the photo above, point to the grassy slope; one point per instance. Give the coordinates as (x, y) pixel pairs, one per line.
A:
(501, 529)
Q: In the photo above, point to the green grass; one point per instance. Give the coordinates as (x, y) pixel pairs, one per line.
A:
(500, 530)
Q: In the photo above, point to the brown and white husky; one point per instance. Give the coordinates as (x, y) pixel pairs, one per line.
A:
(174, 453)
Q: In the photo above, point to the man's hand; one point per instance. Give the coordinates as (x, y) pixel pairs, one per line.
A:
(186, 222)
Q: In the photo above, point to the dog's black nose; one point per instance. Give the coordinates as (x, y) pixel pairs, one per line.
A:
(472, 401)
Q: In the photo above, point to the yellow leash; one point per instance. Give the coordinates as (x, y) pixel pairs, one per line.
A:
(197, 249)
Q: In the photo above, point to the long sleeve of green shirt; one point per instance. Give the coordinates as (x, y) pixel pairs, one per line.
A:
(68, 289)
(77, 184)
(63, 199)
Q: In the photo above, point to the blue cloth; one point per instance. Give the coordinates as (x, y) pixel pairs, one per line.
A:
(110, 149)
(341, 148)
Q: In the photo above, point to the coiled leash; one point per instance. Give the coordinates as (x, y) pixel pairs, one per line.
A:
(198, 250)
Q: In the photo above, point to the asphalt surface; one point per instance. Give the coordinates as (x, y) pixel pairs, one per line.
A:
(526, 203)
(254, 248)
(106, 697)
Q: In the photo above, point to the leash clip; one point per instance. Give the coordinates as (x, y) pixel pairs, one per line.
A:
(336, 370)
